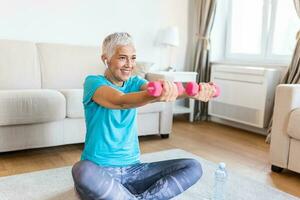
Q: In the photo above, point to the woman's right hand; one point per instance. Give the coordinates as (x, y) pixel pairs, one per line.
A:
(169, 92)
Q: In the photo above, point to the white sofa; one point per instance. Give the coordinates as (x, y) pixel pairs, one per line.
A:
(41, 95)
(285, 139)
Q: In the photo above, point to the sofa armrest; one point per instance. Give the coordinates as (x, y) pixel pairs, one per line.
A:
(287, 98)
(152, 76)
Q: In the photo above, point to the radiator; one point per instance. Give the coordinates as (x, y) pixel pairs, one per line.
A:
(247, 93)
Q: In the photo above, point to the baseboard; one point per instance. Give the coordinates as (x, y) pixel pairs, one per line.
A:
(261, 131)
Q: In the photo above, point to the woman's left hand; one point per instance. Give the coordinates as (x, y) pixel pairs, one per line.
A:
(169, 92)
(207, 92)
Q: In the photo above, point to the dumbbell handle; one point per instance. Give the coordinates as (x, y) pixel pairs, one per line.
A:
(193, 88)
(155, 88)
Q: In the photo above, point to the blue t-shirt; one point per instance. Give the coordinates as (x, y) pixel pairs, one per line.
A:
(111, 134)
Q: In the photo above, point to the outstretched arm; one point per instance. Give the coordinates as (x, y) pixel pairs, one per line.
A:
(114, 99)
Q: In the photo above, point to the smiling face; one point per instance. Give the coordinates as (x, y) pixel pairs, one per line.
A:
(121, 64)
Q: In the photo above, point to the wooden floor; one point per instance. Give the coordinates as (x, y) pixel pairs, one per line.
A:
(244, 152)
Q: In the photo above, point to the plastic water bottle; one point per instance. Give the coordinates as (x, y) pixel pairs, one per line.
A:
(220, 182)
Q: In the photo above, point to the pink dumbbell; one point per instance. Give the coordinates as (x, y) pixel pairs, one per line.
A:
(193, 88)
(155, 88)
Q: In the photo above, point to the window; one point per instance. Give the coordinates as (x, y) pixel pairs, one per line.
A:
(261, 30)
(286, 24)
(245, 27)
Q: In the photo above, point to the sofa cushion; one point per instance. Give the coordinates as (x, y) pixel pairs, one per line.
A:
(74, 102)
(294, 124)
(152, 107)
(66, 66)
(19, 68)
(31, 106)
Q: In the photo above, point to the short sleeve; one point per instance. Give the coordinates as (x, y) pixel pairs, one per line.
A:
(137, 82)
(91, 84)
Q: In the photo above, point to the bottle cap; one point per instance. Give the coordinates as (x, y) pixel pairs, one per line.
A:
(222, 165)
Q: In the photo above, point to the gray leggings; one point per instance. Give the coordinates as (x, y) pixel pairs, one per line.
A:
(157, 180)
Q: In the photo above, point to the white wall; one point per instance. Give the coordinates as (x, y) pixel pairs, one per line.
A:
(88, 22)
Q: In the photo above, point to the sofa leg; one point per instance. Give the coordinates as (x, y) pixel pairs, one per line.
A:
(276, 169)
(164, 136)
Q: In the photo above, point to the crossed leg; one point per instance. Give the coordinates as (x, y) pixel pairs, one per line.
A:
(156, 180)
(163, 179)
(94, 182)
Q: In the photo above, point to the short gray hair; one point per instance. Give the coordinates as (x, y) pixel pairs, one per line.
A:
(111, 42)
